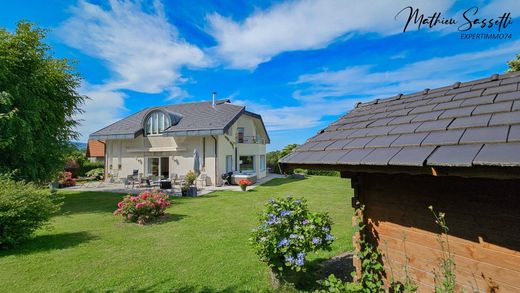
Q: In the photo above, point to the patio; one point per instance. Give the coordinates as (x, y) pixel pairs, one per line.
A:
(176, 191)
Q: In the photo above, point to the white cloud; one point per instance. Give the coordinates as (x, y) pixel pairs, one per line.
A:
(143, 51)
(335, 92)
(305, 24)
(101, 109)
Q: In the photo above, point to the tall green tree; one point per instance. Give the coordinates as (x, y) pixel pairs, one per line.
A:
(514, 65)
(38, 99)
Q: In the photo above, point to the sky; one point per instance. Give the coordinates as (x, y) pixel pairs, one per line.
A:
(299, 64)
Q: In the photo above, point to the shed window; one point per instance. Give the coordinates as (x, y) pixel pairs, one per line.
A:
(156, 123)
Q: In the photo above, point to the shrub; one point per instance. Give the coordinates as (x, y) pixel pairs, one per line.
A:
(96, 173)
(288, 232)
(65, 179)
(333, 284)
(301, 171)
(87, 166)
(191, 177)
(143, 208)
(23, 209)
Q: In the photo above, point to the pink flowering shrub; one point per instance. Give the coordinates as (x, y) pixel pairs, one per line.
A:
(65, 179)
(144, 207)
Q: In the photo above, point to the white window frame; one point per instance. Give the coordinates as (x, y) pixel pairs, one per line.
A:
(156, 122)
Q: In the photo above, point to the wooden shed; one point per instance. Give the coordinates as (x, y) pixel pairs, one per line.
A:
(456, 148)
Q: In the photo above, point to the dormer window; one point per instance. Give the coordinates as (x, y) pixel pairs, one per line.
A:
(156, 123)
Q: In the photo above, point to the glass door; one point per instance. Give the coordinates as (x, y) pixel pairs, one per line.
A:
(165, 167)
(152, 167)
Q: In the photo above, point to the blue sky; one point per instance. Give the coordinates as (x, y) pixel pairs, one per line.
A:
(300, 64)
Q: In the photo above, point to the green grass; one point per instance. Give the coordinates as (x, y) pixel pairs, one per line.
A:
(203, 247)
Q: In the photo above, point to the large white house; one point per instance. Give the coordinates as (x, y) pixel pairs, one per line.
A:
(161, 141)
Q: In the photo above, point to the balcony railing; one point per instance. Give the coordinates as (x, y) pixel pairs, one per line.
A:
(250, 139)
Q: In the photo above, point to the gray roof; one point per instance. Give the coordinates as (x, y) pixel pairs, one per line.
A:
(474, 123)
(198, 118)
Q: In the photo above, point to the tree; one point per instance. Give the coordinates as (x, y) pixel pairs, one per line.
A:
(514, 65)
(38, 99)
(274, 156)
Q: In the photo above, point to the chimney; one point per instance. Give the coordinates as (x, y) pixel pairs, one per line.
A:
(214, 97)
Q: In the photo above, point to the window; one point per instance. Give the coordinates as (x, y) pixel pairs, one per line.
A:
(229, 163)
(247, 163)
(240, 134)
(156, 123)
(262, 162)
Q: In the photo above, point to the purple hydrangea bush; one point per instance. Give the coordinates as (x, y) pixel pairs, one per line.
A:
(288, 232)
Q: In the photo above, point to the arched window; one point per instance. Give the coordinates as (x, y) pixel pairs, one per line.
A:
(156, 122)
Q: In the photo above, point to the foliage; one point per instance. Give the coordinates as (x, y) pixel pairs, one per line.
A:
(288, 232)
(96, 173)
(65, 179)
(372, 270)
(77, 162)
(514, 65)
(445, 279)
(38, 102)
(23, 208)
(244, 182)
(335, 285)
(144, 207)
(304, 172)
(191, 177)
(274, 156)
(323, 173)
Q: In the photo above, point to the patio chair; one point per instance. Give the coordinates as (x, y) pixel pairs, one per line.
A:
(181, 180)
(202, 180)
(129, 181)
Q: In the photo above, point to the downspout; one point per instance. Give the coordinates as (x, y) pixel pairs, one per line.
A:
(216, 159)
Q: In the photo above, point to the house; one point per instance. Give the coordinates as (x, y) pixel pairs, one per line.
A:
(456, 148)
(161, 141)
(95, 151)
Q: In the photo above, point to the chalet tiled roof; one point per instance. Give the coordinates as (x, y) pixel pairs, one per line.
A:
(198, 118)
(95, 148)
(465, 124)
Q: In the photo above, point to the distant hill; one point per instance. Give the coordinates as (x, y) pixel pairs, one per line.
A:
(79, 145)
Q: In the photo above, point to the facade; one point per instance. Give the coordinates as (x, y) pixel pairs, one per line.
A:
(95, 151)
(161, 141)
(456, 148)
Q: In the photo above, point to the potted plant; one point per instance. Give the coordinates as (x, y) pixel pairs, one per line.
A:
(190, 180)
(244, 183)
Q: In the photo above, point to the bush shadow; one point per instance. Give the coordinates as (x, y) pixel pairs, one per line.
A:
(281, 181)
(43, 243)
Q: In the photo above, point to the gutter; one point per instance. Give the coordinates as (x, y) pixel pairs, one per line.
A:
(216, 159)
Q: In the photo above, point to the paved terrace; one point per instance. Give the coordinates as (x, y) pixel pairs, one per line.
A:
(120, 187)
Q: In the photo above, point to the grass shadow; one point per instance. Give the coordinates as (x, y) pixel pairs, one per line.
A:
(89, 202)
(43, 243)
(319, 269)
(281, 181)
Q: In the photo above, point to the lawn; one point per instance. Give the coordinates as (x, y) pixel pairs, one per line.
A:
(203, 247)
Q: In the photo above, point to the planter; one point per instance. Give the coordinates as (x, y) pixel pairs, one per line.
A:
(184, 192)
(192, 191)
(243, 187)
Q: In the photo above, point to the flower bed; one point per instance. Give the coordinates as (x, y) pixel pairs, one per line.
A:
(143, 208)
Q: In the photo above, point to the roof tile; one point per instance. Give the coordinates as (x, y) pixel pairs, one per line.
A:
(508, 96)
(443, 137)
(428, 116)
(454, 155)
(478, 101)
(448, 105)
(514, 133)
(411, 156)
(380, 156)
(332, 157)
(339, 144)
(473, 121)
(354, 157)
(358, 143)
(460, 112)
(382, 141)
(501, 154)
(434, 125)
(493, 108)
(501, 89)
(467, 95)
(405, 128)
(413, 139)
(485, 135)
(505, 118)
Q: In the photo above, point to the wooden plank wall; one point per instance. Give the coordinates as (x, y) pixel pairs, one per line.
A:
(483, 216)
